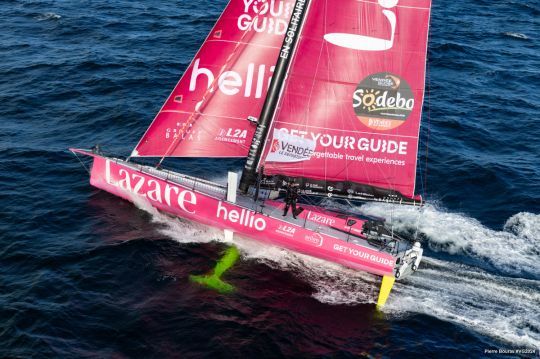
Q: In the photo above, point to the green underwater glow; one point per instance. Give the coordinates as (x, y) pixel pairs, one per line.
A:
(213, 280)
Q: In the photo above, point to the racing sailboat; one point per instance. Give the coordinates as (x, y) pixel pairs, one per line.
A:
(322, 96)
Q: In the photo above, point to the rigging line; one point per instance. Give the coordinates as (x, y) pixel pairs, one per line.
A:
(82, 163)
(420, 211)
(424, 182)
(393, 206)
(428, 75)
(186, 126)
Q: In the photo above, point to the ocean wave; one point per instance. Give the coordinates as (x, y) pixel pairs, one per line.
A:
(517, 35)
(47, 16)
(524, 224)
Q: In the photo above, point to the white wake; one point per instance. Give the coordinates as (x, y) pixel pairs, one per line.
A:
(499, 306)
(513, 251)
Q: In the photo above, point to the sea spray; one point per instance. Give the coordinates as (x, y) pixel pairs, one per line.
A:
(514, 251)
(501, 307)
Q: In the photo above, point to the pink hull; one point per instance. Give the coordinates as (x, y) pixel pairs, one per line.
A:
(126, 182)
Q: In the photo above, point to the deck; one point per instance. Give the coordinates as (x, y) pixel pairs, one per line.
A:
(219, 191)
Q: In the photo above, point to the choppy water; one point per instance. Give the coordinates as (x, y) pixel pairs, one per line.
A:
(84, 274)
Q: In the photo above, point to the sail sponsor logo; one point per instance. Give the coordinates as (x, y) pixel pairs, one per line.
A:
(187, 134)
(363, 255)
(383, 101)
(253, 82)
(290, 148)
(368, 43)
(269, 16)
(314, 238)
(136, 183)
(232, 135)
(286, 230)
(336, 142)
(275, 145)
(319, 218)
(244, 217)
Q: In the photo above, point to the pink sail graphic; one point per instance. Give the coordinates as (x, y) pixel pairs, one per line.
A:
(207, 113)
(356, 87)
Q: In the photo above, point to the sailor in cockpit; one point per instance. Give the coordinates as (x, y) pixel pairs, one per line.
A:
(290, 199)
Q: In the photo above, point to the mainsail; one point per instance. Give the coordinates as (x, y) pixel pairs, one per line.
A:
(355, 87)
(207, 113)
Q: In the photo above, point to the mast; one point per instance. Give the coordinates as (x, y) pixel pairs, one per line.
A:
(249, 173)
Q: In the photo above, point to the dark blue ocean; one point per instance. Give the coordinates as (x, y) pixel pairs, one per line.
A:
(85, 274)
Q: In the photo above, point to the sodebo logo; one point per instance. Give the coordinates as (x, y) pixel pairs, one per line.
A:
(383, 101)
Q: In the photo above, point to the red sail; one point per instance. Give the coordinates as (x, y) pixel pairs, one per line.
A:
(356, 87)
(206, 114)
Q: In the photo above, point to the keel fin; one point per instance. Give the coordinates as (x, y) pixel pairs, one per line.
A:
(213, 280)
(386, 287)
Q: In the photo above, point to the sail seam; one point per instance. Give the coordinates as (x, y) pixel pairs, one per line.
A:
(343, 130)
(401, 6)
(205, 114)
(244, 43)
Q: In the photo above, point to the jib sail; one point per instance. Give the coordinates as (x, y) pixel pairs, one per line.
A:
(349, 117)
(207, 113)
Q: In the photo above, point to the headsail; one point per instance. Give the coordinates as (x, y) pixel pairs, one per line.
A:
(355, 87)
(206, 114)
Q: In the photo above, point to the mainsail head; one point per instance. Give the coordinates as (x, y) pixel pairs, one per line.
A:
(355, 88)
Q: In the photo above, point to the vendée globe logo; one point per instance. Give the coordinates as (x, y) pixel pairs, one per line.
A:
(275, 146)
(383, 101)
